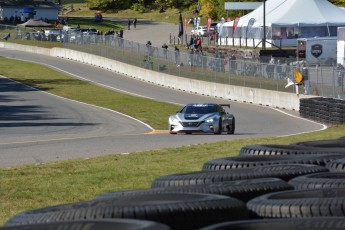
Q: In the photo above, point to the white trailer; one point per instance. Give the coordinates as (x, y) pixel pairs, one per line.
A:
(341, 46)
(319, 50)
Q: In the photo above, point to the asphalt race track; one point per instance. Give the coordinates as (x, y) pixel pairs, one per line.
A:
(36, 127)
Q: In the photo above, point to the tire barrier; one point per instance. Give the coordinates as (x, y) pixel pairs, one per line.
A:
(337, 165)
(294, 149)
(319, 181)
(106, 224)
(284, 172)
(243, 190)
(253, 161)
(177, 210)
(320, 223)
(325, 110)
(300, 204)
(301, 180)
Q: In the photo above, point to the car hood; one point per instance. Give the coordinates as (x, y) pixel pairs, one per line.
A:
(193, 116)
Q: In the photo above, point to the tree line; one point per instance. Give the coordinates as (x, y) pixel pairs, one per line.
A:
(205, 8)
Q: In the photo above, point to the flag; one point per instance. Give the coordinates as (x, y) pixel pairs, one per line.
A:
(250, 26)
(298, 77)
(209, 21)
(180, 33)
(235, 25)
(185, 25)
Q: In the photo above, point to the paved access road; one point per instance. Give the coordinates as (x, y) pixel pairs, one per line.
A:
(36, 127)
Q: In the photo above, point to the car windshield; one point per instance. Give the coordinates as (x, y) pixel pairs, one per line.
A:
(200, 109)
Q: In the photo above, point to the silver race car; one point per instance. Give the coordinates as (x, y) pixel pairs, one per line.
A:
(204, 118)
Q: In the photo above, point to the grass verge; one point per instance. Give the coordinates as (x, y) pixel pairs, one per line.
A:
(34, 186)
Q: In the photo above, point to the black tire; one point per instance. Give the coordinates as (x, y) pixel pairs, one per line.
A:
(107, 224)
(321, 223)
(177, 210)
(319, 181)
(273, 150)
(300, 204)
(284, 172)
(336, 165)
(334, 143)
(243, 190)
(253, 161)
(219, 131)
(232, 130)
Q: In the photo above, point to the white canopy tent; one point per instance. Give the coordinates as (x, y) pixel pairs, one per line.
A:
(287, 20)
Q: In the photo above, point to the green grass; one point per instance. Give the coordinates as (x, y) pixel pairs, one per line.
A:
(170, 15)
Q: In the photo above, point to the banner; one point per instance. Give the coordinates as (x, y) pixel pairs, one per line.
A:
(250, 26)
(235, 26)
(209, 21)
(185, 25)
(298, 76)
(180, 32)
(198, 22)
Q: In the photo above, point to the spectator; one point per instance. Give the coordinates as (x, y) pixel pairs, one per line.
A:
(177, 57)
(198, 44)
(340, 71)
(135, 22)
(279, 70)
(129, 24)
(306, 83)
(191, 42)
(165, 50)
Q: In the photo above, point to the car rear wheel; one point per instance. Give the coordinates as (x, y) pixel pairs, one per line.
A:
(231, 129)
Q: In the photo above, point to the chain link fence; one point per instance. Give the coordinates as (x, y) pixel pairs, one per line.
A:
(326, 81)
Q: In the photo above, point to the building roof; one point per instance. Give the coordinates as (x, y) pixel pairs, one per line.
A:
(295, 13)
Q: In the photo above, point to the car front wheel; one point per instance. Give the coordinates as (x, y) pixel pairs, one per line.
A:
(219, 131)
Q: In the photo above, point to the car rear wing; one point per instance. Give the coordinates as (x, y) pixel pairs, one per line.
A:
(225, 105)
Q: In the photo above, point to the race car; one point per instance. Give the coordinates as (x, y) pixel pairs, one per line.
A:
(202, 118)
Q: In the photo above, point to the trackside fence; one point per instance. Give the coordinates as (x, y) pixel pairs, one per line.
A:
(326, 81)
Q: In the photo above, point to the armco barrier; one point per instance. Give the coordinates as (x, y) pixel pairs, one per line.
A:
(256, 96)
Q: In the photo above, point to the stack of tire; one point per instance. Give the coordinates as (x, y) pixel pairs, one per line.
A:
(326, 110)
(297, 186)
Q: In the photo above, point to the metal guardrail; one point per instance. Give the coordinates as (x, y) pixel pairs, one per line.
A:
(326, 81)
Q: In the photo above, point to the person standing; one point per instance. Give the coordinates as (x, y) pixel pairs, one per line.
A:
(165, 50)
(129, 24)
(177, 57)
(135, 22)
(341, 73)
(306, 83)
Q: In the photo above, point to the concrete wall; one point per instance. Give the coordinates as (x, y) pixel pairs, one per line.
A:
(274, 99)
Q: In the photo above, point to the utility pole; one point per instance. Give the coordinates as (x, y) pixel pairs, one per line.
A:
(264, 36)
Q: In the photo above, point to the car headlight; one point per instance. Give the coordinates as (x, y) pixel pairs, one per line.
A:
(173, 119)
(209, 120)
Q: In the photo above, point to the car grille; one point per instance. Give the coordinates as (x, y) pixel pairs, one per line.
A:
(190, 124)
